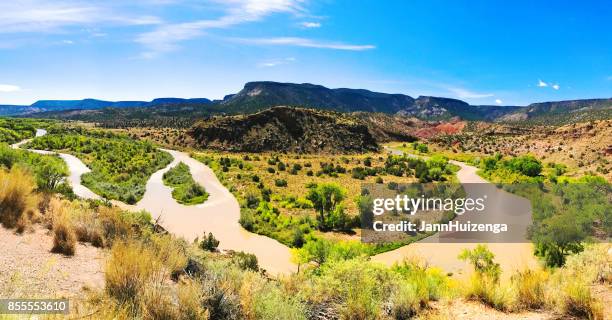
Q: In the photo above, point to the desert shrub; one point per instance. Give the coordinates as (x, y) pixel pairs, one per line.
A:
(482, 261)
(579, 301)
(171, 252)
(530, 286)
(190, 301)
(406, 302)
(252, 201)
(17, 198)
(64, 238)
(359, 286)
(484, 284)
(209, 243)
(155, 303)
(280, 182)
(269, 302)
(131, 268)
(246, 261)
(569, 287)
(490, 292)
(114, 224)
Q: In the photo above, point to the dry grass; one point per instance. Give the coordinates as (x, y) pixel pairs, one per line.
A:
(190, 297)
(64, 238)
(18, 202)
(130, 269)
(530, 286)
(500, 296)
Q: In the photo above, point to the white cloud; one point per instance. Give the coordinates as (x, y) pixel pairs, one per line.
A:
(67, 42)
(304, 42)
(41, 16)
(275, 62)
(165, 37)
(308, 24)
(542, 84)
(555, 86)
(498, 101)
(5, 88)
(467, 94)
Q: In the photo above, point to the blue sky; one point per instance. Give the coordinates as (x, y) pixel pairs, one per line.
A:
(483, 52)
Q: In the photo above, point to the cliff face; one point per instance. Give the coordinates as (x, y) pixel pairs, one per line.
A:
(285, 129)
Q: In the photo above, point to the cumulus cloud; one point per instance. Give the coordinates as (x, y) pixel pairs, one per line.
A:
(305, 42)
(542, 84)
(5, 88)
(467, 94)
(498, 101)
(308, 24)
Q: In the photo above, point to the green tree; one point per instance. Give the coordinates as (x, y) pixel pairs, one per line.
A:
(557, 237)
(482, 261)
(325, 198)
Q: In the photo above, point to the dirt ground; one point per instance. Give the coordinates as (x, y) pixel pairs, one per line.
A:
(467, 310)
(29, 269)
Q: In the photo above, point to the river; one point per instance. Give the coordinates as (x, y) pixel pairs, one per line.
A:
(221, 212)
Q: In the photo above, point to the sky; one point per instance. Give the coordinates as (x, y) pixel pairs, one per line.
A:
(482, 52)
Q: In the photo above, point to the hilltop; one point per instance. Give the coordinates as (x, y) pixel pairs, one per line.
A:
(285, 129)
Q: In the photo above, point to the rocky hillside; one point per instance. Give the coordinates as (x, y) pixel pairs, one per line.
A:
(287, 130)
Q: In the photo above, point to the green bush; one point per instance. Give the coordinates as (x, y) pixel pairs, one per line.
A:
(209, 243)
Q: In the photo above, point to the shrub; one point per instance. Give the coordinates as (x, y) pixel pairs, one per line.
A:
(17, 198)
(190, 302)
(171, 252)
(280, 182)
(114, 225)
(245, 261)
(482, 261)
(486, 290)
(578, 301)
(64, 238)
(530, 287)
(209, 243)
(406, 302)
(130, 269)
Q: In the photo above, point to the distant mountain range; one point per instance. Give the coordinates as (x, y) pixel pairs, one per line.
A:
(94, 104)
(257, 96)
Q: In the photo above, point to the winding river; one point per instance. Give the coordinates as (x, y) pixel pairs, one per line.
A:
(221, 212)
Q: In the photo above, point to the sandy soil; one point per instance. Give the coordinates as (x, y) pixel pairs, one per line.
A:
(467, 310)
(29, 269)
